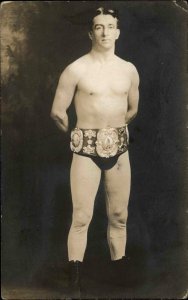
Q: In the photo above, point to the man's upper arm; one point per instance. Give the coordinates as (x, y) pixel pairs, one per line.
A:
(133, 96)
(65, 91)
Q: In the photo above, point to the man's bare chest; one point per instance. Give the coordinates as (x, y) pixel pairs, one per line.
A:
(104, 80)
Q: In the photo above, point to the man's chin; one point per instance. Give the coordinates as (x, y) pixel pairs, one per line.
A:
(106, 45)
(106, 42)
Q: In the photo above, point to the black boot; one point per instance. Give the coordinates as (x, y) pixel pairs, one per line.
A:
(75, 279)
(124, 272)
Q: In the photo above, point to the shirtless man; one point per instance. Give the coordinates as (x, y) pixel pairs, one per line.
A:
(105, 92)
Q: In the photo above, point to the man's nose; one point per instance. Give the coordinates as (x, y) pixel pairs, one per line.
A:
(105, 31)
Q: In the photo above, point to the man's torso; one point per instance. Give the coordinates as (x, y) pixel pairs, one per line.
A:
(101, 93)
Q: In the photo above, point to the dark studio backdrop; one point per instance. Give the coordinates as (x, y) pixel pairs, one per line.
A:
(39, 39)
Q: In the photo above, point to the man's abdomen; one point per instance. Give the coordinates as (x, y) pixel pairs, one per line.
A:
(100, 112)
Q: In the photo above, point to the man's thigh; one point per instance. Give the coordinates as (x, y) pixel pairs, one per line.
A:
(117, 183)
(85, 179)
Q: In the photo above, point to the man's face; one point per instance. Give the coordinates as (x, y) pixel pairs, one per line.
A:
(104, 32)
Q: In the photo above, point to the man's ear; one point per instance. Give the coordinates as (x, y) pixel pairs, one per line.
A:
(90, 35)
(117, 33)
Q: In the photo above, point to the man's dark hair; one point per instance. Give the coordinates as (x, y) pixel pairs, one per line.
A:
(104, 11)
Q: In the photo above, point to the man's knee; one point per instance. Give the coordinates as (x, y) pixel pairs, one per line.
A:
(118, 218)
(81, 219)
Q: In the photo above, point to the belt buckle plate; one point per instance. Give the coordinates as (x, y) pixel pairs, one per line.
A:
(107, 142)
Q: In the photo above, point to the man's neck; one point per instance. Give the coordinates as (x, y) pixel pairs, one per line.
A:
(102, 56)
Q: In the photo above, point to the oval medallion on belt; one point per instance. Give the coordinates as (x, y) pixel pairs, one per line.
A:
(76, 140)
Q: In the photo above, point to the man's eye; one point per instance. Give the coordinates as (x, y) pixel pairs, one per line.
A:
(98, 27)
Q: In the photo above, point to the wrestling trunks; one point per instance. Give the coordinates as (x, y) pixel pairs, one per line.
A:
(105, 143)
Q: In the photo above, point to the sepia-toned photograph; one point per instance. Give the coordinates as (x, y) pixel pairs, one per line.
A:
(94, 150)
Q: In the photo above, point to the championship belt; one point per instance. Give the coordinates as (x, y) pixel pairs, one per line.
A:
(107, 142)
(76, 140)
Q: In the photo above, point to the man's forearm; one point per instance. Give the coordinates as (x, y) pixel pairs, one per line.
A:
(61, 121)
(130, 115)
(60, 125)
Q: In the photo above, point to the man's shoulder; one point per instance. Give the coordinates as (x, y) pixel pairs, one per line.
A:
(127, 64)
(78, 64)
(130, 69)
(76, 68)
